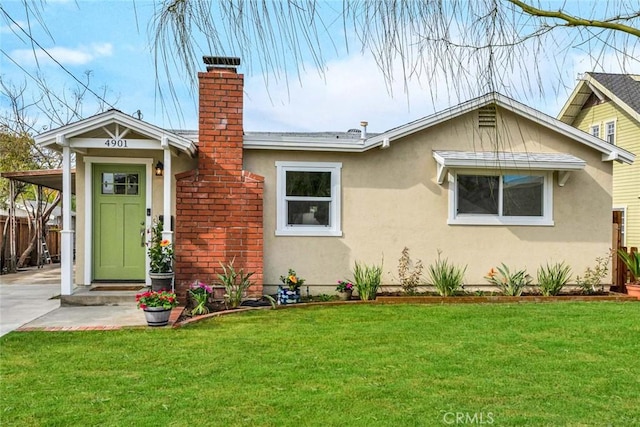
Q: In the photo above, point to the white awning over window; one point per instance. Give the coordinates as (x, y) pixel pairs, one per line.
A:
(562, 162)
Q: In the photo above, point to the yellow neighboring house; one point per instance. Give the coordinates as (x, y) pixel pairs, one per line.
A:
(608, 106)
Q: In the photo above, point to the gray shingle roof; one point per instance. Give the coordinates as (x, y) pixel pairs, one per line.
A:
(625, 87)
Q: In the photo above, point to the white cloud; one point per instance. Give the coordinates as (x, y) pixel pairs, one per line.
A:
(66, 56)
(13, 28)
(353, 89)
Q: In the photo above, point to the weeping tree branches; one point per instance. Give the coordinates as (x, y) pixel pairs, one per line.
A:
(476, 45)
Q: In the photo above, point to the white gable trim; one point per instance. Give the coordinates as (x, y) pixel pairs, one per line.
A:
(72, 133)
(600, 91)
(384, 140)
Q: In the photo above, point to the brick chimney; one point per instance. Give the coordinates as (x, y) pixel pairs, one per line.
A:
(219, 205)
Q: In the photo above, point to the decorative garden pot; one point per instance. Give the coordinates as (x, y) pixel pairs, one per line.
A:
(633, 289)
(345, 296)
(157, 316)
(161, 281)
(288, 296)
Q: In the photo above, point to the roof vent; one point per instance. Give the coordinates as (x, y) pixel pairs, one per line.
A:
(487, 116)
(354, 131)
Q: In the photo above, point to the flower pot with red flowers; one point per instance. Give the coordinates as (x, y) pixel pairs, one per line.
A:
(160, 259)
(157, 306)
(289, 291)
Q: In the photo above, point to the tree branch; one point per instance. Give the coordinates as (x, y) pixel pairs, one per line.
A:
(573, 21)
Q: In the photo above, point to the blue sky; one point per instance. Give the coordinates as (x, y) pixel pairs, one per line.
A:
(111, 39)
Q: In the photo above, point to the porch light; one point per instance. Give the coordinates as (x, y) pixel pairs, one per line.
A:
(159, 168)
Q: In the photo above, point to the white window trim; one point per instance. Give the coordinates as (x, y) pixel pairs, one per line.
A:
(594, 125)
(282, 228)
(477, 219)
(623, 209)
(615, 130)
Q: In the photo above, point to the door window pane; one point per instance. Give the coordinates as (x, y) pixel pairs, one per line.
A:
(120, 183)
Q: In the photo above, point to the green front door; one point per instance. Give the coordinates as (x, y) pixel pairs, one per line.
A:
(118, 222)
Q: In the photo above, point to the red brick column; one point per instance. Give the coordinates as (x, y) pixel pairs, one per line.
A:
(219, 205)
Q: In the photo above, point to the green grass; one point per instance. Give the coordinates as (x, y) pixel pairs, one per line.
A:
(363, 365)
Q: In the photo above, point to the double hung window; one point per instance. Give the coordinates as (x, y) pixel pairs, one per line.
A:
(308, 199)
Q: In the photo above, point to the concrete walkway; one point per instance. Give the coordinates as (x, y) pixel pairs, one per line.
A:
(26, 304)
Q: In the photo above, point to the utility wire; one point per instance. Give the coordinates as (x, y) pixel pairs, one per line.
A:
(54, 60)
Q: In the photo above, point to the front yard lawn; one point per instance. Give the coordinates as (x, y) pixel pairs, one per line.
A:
(361, 365)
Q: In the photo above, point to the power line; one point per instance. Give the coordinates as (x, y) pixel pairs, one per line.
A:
(54, 60)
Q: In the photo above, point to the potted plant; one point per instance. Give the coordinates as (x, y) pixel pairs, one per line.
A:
(345, 290)
(160, 259)
(289, 291)
(157, 306)
(632, 261)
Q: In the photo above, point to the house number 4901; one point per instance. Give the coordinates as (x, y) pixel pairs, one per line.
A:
(116, 143)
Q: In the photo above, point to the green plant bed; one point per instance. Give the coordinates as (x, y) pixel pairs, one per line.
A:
(496, 298)
(337, 364)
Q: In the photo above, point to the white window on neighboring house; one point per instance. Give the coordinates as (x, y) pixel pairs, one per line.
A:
(308, 199)
(502, 198)
(610, 132)
(595, 130)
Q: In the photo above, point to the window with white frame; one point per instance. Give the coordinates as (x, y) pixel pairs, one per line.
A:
(308, 199)
(610, 132)
(506, 198)
(595, 130)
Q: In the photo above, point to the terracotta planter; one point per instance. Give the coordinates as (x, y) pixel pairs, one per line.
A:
(633, 289)
(157, 316)
(161, 281)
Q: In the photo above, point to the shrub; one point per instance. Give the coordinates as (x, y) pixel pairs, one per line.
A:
(367, 280)
(552, 278)
(592, 278)
(446, 277)
(511, 284)
(409, 273)
(235, 284)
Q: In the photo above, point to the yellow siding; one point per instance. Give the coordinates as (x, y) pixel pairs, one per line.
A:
(626, 178)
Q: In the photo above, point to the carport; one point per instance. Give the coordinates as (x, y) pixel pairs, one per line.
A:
(47, 178)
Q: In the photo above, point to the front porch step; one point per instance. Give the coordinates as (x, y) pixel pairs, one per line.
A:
(84, 296)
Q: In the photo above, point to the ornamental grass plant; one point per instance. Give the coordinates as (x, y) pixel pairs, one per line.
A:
(510, 283)
(235, 284)
(367, 280)
(552, 278)
(446, 277)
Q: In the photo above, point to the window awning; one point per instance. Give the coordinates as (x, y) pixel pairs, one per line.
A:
(562, 162)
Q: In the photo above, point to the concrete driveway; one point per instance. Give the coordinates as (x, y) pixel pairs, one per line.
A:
(26, 296)
(26, 304)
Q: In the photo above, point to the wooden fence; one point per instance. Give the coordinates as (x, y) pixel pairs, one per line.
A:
(620, 274)
(22, 242)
